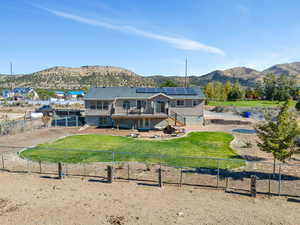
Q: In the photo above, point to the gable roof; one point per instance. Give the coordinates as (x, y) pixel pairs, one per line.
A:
(109, 93)
(22, 90)
(76, 93)
(59, 92)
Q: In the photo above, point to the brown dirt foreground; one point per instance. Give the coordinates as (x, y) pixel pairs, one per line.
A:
(31, 200)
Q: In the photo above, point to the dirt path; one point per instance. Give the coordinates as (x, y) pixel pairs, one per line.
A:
(35, 137)
(30, 200)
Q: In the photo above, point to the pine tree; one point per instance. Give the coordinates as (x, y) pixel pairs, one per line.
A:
(278, 136)
(227, 88)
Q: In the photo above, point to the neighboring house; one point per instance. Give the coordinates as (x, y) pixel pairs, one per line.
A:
(21, 93)
(143, 108)
(6, 93)
(25, 93)
(75, 94)
(60, 94)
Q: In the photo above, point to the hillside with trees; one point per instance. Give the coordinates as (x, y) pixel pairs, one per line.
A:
(88, 76)
(272, 87)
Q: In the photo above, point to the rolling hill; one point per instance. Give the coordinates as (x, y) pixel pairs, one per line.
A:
(88, 76)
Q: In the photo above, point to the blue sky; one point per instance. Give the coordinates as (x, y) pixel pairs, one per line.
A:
(148, 37)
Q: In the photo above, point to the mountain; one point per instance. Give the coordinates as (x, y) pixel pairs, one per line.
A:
(77, 78)
(88, 76)
(246, 77)
(286, 69)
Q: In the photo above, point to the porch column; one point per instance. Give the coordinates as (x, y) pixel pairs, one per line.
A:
(154, 106)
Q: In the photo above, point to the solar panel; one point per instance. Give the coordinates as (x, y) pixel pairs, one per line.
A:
(168, 91)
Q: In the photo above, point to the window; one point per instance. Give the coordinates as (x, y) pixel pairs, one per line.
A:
(93, 105)
(105, 105)
(103, 120)
(195, 102)
(126, 105)
(180, 103)
(101, 105)
(141, 104)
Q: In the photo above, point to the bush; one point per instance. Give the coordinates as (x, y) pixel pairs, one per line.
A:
(297, 106)
(235, 95)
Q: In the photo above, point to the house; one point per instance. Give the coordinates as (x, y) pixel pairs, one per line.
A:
(75, 94)
(25, 93)
(21, 93)
(143, 108)
(60, 94)
(6, 93)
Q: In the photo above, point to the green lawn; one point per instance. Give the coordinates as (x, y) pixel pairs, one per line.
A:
(176, 152)
(247, 103)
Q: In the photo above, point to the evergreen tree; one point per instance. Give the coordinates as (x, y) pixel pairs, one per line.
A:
(278, 136)
(169, 83)
(237, 92)
(209, 90)
(227, 88)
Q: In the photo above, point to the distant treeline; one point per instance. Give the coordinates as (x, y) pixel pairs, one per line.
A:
(277, 88)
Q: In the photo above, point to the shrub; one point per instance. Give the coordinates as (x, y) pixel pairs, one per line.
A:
(297, 106)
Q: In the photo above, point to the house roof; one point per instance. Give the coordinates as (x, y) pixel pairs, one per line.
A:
(22, 90)
(107, 93)
(75, 92)
(60, 92)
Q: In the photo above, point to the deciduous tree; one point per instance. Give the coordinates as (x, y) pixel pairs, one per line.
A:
(278, 135)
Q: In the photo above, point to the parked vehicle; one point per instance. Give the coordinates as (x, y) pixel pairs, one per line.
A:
(45, 109)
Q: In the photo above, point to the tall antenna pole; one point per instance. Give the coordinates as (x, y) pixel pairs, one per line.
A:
(11, 73)
(11, 68)
(186, 71)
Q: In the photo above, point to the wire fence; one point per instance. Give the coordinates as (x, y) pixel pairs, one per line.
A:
(232, 175)
(10, 127)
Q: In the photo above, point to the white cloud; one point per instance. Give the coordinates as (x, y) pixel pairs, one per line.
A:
(243, 9)
(179, 43)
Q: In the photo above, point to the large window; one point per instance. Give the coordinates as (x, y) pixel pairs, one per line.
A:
(92, 105)
(180, 103)
(126, 104)
(105, 105)
(103, 120)
(140, 104)
(100, 105)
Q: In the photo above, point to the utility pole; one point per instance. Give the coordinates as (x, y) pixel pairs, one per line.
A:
(11, 73)
(186, 71)
(11, 68)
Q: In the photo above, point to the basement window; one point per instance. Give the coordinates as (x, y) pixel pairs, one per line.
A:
(180, 103)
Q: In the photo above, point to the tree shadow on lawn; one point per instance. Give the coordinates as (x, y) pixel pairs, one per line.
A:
(241, 175)
(251, 158)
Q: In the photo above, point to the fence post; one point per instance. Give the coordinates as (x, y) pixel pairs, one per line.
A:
(227, 178)
(3, 165)
(66, 121)
(253, 186)
(60, 174)
(160, 178)
(180, 180)
(40, 165)
(279, 180)
(55, 121)
(76, 121)
(28, 166)
(128, 172)
(218, 174)
(113, 159)
(109, 174)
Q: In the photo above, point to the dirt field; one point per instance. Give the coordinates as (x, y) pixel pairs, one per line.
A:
(30, 200)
